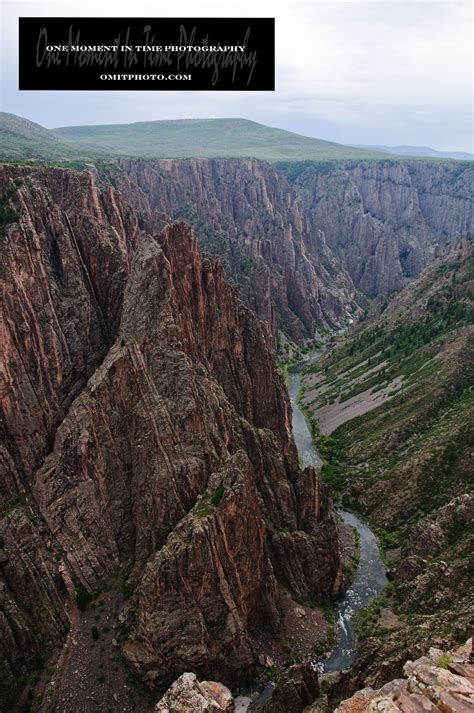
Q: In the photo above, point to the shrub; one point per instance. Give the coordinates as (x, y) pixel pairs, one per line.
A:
(95, 633)
(83, 598)
(216, 497)
(443, 661)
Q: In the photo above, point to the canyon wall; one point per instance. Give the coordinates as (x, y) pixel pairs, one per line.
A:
(397, 392)
(384, 219)
(146, 435)
(299, 239)
(252, 217)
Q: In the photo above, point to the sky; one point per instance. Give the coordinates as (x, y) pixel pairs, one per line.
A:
(383, 72)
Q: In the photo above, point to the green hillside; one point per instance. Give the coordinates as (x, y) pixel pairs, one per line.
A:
(407, 464)
(400, 389)
(208, 138)
(23, 139)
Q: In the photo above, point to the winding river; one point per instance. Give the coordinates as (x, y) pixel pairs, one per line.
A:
(370, 578)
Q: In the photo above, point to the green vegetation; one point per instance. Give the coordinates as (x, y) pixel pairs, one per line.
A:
(208, 138)
(216, 497)
(366, 619)
(21, 139)
(184, 138)
(203, 507)
(327, 447)
(7, 213)
(444, 660)
(294, 169)
(268, 674)
(207, 503)
(73, 146)
(83, 598)
(328, 643)
(328, 611)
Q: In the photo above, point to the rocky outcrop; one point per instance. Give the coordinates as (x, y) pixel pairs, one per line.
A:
(189, 694)
(148, 433)
(297, 688)
(437, 682)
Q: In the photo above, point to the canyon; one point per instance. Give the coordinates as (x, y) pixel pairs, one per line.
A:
(392, 411)
(155, 518)
(308, 243)
(147, 441)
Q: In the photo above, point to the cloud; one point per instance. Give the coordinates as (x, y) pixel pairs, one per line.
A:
(372, 71)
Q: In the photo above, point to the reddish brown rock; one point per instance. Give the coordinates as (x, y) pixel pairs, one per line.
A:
(153, 432)
(251, 215)
(428, 687)
(297, 688)
(297, 248)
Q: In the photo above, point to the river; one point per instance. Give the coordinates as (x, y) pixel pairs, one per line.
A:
(369, 580)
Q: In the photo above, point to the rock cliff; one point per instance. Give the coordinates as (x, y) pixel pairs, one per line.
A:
(147, 435)
(298, 239)
(249, 213)
(384, 219)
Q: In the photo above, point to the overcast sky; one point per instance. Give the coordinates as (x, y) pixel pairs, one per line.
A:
(361, 72)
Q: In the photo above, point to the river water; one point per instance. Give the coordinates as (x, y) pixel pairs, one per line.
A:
(304, 441)
(370, 578)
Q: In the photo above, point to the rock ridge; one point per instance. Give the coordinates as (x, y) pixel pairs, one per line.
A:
(147, 435)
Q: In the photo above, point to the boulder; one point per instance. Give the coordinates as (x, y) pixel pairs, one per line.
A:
(188, 695)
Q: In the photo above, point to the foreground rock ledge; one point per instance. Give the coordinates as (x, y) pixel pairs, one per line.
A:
(437, 682)
(188, 695)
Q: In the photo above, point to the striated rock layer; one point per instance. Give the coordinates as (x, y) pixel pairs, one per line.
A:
(438, 682)
(384, 219)
(145, 431)
(252, 216)
(300, 238)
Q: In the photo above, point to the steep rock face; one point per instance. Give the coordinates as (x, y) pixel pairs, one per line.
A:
(384, 219)
(297, 688)
(147, 430)
(33, 616)
(62, 276)
(250, 215)
(291, 245)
